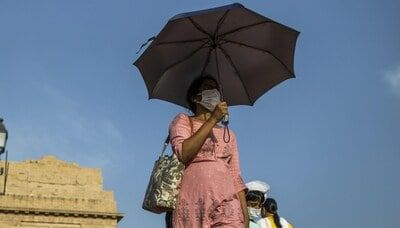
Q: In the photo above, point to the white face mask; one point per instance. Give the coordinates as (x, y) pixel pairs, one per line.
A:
(210, 98)
(254, 213)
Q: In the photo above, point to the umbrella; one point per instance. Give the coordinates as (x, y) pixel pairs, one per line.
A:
(245, 52)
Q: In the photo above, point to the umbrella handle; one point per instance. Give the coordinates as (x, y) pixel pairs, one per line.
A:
(227, 134)
(225, 120)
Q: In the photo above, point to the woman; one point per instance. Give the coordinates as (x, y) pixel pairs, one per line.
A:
(257, 191)
(254, 201)
(212, 191)
(271, 218)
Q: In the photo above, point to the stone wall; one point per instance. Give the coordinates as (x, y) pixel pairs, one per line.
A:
(52, 193)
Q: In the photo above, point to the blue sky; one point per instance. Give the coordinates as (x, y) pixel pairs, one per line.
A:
(327, 141)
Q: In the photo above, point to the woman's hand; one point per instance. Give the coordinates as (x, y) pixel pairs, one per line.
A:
(192, 145)
(243, 205)
(219, 112)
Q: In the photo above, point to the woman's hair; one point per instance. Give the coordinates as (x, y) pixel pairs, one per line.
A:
(255, 196)
(271, 206)
(194, 89)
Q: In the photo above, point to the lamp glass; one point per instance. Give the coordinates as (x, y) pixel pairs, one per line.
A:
(3, 137)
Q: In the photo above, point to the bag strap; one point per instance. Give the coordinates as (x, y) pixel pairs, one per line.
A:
(166, 141)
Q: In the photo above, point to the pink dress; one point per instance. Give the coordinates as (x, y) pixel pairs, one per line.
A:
(208, 195)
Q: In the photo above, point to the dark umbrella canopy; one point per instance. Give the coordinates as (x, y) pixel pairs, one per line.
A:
(246, 52)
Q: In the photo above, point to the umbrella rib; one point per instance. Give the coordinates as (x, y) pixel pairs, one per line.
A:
(220, 21)
(186, 57)
(198, 27)
(181, 41)
(245, 27)
(173, 65)
(259, 49)
(218, 75)
(207, 61)
(228, 57)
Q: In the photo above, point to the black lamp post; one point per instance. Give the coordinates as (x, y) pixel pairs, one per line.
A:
(3, 142)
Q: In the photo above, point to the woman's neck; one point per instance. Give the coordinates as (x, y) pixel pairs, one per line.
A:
(202, 116)
(269, 215)
(202, 113)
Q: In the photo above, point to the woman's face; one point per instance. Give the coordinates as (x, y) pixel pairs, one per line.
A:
(207, 84)
(265, 212)
(253, 204)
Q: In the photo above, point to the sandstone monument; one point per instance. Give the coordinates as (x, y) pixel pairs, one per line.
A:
(50, 193)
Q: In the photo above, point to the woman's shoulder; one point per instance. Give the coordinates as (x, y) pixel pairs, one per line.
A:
(263, 223)
(284, 222)
(254, 225)
(181, 118)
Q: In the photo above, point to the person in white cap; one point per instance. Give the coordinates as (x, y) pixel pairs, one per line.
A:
(258, 185)
(256, 194)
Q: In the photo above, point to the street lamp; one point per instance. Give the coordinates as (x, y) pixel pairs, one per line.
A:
(3, 142)
(3, 137)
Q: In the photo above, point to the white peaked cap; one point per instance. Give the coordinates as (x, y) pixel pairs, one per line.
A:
(258, 186)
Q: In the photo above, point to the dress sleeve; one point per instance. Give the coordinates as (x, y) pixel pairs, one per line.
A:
(234, 166)
(179, 131)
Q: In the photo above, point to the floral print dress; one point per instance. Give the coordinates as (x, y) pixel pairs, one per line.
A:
(211, 181)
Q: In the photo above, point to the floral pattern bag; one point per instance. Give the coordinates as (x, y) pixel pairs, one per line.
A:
(163, 188)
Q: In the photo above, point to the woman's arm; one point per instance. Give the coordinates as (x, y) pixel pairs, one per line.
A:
(193, 144)
(243, 204)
